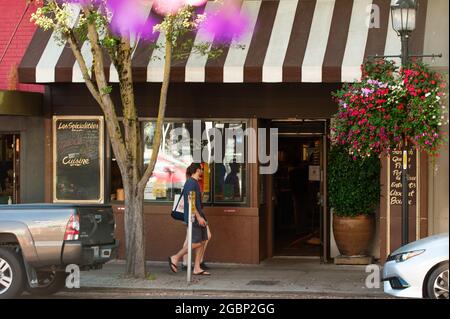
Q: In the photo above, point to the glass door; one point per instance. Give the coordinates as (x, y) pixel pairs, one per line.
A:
(9, 168)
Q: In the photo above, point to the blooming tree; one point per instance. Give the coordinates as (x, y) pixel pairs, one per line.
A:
(390, 107)
(110, 25)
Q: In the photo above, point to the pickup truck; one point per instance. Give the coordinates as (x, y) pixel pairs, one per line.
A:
(38, 242)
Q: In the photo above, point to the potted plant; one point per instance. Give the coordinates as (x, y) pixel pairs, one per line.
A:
(354, 194)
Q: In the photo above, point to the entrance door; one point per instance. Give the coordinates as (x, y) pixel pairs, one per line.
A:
(299, 214)
(9, 168)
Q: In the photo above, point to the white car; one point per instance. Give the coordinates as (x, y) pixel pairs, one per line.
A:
(419, 269)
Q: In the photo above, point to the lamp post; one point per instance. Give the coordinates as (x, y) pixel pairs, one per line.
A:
(403, 14)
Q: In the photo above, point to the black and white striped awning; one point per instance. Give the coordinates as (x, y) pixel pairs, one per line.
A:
(290, 41)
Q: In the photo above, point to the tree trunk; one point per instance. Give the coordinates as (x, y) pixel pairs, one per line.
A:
(127, 146)
(134, 232)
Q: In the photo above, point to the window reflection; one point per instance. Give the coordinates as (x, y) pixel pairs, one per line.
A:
(226, 179)
(169, 173)
(230, 175)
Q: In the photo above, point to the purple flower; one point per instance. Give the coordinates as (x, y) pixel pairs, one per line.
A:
(131, 16)
(367, 91)
(226, 22)
(373, 82)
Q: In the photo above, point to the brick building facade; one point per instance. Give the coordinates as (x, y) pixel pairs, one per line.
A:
(15, 14)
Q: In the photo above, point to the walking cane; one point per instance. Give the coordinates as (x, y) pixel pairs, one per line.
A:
(190, 220)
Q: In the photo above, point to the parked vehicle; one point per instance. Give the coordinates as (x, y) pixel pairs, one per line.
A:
(419, 269)
(38, 242)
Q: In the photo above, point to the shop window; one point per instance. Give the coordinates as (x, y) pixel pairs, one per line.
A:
(174, 157)
(230, 176)
(223, 182)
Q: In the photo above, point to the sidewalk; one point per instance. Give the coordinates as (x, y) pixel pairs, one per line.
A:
(293, 276)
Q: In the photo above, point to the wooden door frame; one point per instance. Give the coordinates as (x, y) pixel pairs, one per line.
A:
(325, 215)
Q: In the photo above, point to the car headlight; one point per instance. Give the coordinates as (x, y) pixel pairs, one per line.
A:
(406, 255)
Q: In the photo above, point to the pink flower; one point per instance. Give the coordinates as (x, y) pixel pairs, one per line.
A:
(168, 7)
(196, 3)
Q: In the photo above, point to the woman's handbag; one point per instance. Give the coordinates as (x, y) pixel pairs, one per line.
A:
(178, 207)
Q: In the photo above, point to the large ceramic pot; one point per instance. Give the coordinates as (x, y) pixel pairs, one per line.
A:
(353, 234)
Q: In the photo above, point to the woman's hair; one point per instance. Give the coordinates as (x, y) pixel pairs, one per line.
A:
(192, 169)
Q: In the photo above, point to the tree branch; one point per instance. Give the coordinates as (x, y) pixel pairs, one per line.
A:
(161, 114)
(107, 104)
(83, 67)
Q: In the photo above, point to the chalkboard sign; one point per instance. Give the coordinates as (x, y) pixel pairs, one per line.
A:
(396, 186)
(395, 197)
(78, 171)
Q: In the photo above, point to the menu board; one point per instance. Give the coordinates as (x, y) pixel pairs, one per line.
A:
(395, 193)
(78, 171)
(396, 186)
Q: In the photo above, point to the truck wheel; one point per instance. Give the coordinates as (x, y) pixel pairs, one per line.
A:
(50, 282)
(437, 284)
(12, 275)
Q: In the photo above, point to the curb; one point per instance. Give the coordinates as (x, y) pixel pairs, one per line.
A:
(220, 291)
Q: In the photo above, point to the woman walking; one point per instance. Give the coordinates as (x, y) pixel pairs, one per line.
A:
(199, 226)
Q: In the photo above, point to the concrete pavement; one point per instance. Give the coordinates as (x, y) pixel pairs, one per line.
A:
(275, 276)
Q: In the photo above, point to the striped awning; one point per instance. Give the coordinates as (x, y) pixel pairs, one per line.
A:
(289, 41)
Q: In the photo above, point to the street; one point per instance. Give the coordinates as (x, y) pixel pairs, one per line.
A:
(167, 294)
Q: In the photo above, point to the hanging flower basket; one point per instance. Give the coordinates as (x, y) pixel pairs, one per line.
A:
(388, 106)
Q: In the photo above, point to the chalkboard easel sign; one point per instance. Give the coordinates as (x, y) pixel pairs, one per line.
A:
(78, 170)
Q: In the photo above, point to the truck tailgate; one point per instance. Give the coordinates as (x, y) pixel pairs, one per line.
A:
(96, 225)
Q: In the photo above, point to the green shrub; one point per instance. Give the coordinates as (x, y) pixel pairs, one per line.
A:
(353, 183)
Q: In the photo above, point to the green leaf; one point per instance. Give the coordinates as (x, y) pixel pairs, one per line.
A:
(106, 90)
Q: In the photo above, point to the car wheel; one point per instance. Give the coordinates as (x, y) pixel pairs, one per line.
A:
(50, 282)
(12, 275)
(437, 284)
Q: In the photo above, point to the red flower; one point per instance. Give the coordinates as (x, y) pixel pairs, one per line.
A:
(400, 106)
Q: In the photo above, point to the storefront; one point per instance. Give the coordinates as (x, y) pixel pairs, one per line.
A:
(21, 147)
(297, 53)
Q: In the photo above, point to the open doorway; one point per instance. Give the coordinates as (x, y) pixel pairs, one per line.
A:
(297, 196)
(9, 168)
